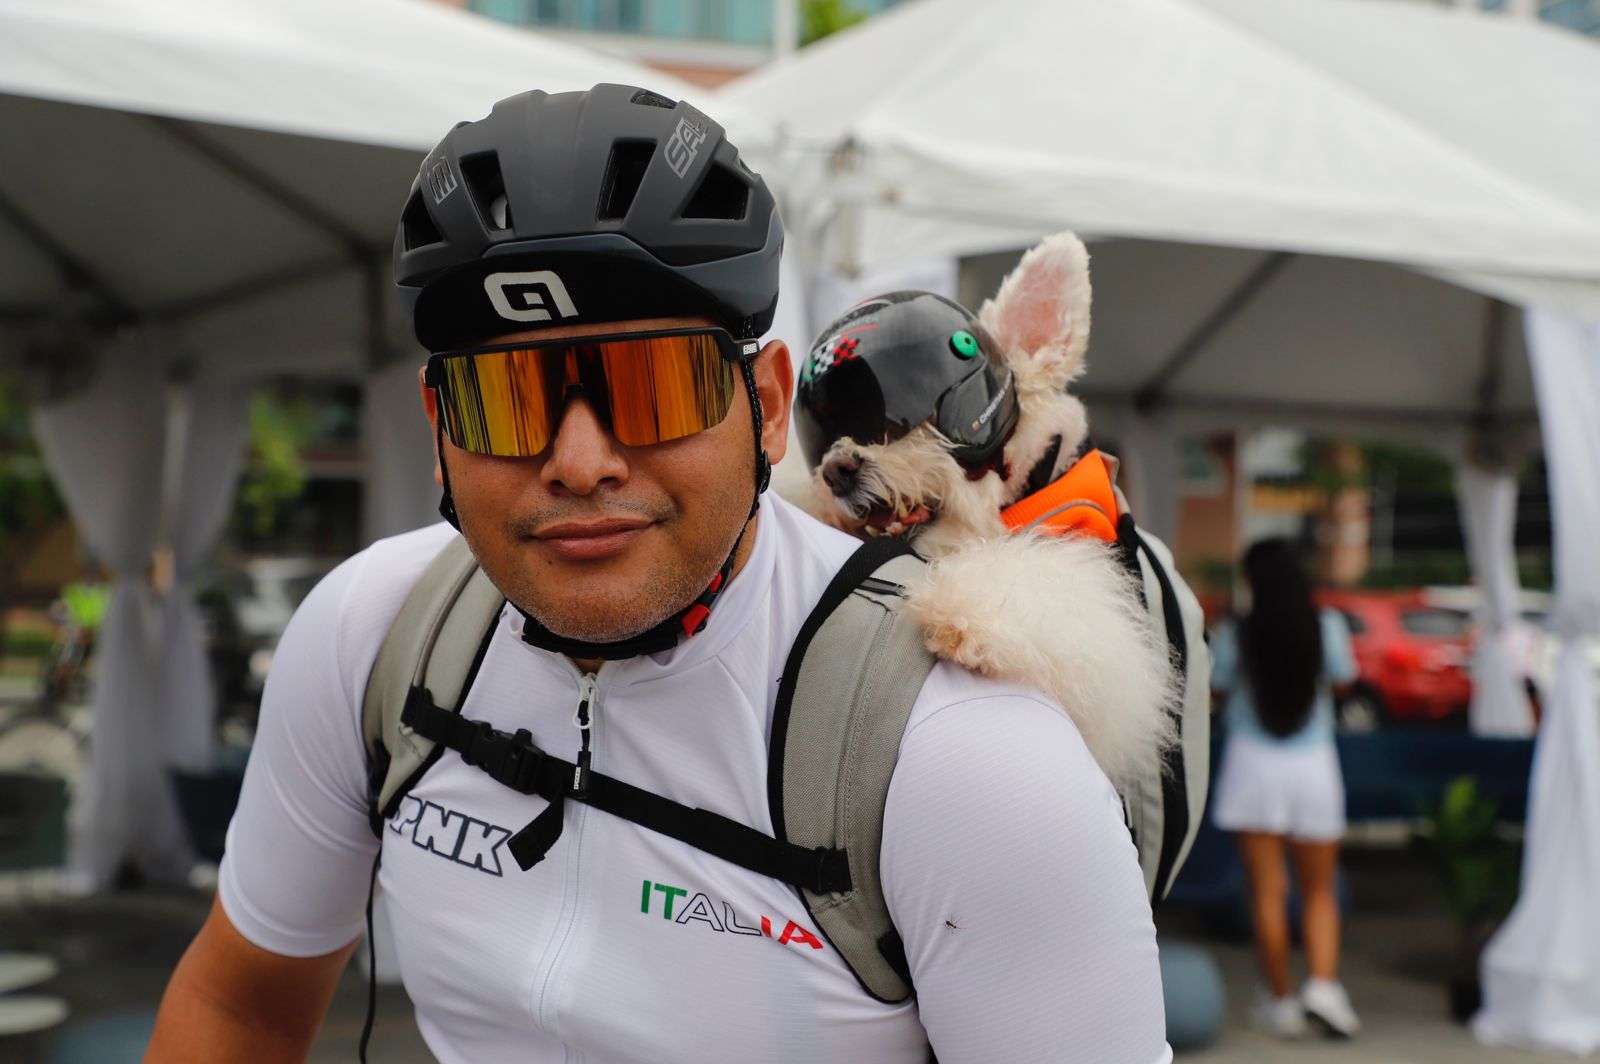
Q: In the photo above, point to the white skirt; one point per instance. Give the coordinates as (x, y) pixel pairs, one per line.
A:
(1296, 791)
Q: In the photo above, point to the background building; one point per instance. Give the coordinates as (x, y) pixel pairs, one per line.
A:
(704, 41)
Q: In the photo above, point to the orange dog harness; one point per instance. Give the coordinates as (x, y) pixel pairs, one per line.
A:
(1081, 501)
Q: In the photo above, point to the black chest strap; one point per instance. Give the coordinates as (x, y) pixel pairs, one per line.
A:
(514, 761)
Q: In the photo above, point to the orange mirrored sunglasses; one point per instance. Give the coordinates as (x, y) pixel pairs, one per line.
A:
(645, 388)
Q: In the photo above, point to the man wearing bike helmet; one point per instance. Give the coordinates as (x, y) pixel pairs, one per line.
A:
(579, 850)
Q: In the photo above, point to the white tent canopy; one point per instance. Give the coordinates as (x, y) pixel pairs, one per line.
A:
(196, 196)
(237, 155)
(1353, 128)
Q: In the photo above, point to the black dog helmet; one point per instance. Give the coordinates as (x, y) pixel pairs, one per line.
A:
(897, 360)
(603, 205)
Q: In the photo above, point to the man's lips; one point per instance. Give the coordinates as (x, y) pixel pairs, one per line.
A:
(591, 540)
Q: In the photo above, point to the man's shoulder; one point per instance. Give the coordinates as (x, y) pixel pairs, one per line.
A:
(976, 722)
(356, 603)
(810, 553)
(807, 539)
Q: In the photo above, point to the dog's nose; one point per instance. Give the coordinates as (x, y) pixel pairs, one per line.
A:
(840, 473)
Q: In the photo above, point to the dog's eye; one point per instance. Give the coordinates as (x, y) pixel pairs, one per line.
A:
(964, 344)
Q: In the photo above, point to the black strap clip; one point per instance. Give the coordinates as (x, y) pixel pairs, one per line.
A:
(831, 872)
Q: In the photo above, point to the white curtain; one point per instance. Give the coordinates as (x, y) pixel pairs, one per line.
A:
(1488, 500)
(208, 427)
(400, 492)
(1541, 972)
(103, 445)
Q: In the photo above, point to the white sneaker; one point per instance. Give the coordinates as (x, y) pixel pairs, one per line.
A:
(1327, 1004)
(1283, 1016)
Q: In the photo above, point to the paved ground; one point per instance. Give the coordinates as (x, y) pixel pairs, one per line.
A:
(116, 952)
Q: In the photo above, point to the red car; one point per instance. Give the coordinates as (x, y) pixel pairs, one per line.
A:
(1413, 658)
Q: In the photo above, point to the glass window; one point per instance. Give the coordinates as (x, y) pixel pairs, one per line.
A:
(1435, 622)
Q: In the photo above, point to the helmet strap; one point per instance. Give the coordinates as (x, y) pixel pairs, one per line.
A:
(447, 505)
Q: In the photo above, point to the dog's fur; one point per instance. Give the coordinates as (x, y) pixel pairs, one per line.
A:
(1057, 613)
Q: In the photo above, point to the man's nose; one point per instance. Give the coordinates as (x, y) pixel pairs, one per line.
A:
(584, 455)
(840, 473)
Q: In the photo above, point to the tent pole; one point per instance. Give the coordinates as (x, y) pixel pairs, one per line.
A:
(377, 310)
(1150, 393)
(1486, 446)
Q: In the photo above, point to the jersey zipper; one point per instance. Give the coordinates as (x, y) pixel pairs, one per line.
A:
(572, 896)
(585, 723)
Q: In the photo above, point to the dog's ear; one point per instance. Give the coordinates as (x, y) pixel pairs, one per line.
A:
(1042, 309)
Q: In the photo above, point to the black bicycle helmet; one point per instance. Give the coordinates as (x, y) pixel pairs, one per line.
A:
(894, 361)
(603, 205)
(598, 206)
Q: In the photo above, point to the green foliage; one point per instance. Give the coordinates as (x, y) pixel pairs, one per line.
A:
(820, 18)
(1477, 868)
(1212, 573)
(86, 604)
(274, 473)
(28, 497)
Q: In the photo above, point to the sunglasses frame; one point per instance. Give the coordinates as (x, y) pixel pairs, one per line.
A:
(736, 352)
(732, 350)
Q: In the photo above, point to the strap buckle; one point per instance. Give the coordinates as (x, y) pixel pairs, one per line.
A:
(479, 746)
(522, 762)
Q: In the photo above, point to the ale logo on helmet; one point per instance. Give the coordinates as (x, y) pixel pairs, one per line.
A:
(684, 145)
(529, 296)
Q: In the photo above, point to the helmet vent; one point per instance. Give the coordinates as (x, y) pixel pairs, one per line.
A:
(651, 99)
(417, 227)
(624, 173)
(722, 195)
(482, 175)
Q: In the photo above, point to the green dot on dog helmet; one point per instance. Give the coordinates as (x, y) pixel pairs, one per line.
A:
(964, 344)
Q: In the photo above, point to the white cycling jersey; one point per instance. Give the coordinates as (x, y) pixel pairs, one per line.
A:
(1005, 863)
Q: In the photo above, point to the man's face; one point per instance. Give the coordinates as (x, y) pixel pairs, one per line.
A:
(599, 541)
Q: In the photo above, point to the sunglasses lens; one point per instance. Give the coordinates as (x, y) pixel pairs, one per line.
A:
(666, 387)
(645, 390)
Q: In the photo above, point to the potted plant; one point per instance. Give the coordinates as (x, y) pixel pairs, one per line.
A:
(1478, 870)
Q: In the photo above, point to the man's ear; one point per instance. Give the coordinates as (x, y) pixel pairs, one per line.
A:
(1041, 312)
(430, 409)
(775, 385)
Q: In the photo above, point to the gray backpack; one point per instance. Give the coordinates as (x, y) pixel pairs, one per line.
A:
(847, 690)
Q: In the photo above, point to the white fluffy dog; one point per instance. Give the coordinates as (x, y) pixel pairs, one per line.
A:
(1057, 612)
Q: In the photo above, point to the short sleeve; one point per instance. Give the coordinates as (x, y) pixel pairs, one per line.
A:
(299, 853)
(1338, 656)
(1224, 656)
(1014, 884)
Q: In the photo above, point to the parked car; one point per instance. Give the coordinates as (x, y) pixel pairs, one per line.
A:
(1413, 658)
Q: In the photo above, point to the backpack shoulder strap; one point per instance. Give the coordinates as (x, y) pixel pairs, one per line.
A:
(847, 690)
(1164, 808)
(436, 643)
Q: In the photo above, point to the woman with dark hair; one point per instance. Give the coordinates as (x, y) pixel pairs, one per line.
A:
(1280, 789)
